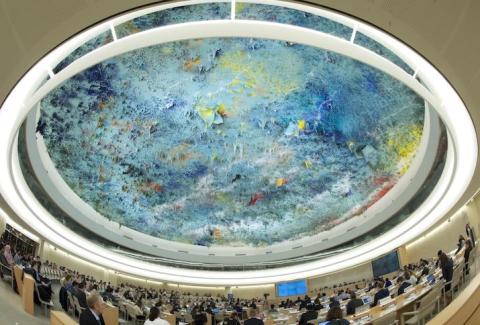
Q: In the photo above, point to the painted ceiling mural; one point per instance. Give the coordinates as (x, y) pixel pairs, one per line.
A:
(231, 141)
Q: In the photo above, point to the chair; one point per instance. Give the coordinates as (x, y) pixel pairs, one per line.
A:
(70, 303)
(188, 318)
(76, 303)
(425, 308)
(45, 304)
(133, 315)
(388, 319)
(455, 284)
(123, 311)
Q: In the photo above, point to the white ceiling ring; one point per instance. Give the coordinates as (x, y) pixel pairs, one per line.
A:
(462, 148)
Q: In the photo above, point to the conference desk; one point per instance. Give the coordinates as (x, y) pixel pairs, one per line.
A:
(398, 305)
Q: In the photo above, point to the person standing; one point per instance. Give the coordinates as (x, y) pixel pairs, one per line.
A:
(466, 255)
(470, 233)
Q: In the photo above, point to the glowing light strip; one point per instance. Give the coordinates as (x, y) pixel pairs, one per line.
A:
(463, 147)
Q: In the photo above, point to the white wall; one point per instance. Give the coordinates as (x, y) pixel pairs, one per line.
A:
(358, 273)
(248, 292)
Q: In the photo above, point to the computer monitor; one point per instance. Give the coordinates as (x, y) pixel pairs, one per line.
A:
(431, 279)
(367, 300)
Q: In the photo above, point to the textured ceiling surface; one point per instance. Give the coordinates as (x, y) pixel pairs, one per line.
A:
(214, 142)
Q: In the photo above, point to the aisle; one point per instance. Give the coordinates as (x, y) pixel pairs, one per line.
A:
(11, 311)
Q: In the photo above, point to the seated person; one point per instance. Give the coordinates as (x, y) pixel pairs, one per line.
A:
(410, 278)
(272, 309)
(253, 320)
(343, 295)
(380, 294)
(93, 314)
(333, 302)
(154, 318)
(387, 282)
(200, 317)
(353, 304)
(402, 285)
(335, 317)
(81, 295)
(44, 284)
(232, 320)
(309, 315)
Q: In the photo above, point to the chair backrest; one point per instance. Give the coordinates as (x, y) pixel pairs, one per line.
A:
(131, 312)
(426, 310)
(432, 295)
(71, 303)
(457, 274)
(38, 294)
(387, 319)
(188, 318)
(77, 304)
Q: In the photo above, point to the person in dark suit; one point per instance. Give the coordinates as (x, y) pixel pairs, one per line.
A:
(353, 304)
(381, 293)
(309, 315)
(403, 285)
(253, 320)
(470, 234)
(81, 296)
(446, 264)
(466, 255)
(93, 314)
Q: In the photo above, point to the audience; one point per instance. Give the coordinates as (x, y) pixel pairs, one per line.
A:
(93, 314)
(310, 314)
(152, 302)
(335, 317)
(44, 284)
(154, 318)
(388, 283)
(7, 253)
(381, 293)
(81, 295)
(253, 320)
(353, 304)
(403, 284)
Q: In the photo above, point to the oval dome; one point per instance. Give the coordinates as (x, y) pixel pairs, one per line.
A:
(231, 141)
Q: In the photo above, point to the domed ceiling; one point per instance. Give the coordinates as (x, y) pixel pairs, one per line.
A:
(231, 141)
(190, 142)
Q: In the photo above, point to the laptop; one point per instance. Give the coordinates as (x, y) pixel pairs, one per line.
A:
(367, 300)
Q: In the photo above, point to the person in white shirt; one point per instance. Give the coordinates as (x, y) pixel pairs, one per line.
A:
(410, 278)
(154, 318)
